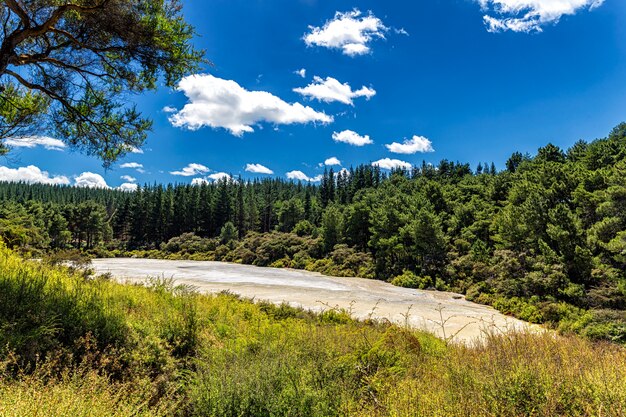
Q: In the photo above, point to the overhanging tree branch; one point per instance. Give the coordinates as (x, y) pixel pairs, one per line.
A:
(83, 57)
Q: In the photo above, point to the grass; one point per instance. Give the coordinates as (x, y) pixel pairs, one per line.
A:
(76, 346)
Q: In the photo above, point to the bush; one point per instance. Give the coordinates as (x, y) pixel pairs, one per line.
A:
(188, 243)
(409, 280)
(45, 309)
(303, 228)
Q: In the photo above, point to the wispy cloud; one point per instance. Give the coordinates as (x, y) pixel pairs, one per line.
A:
(133, 165)
(329, 90)
(530, 15)
(34, 141)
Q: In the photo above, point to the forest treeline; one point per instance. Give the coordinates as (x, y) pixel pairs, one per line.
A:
(543, 239)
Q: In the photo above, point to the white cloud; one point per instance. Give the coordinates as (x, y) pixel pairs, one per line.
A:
(50, 144)
(211, 178)
(133, 165)
(332, 161)
(301, 72)
(199, 181)
(387, 163)
(169, 109)
(90, 180)
(329, 90)
(216, 102)
(411, 146)
(344, 171)
(258, 169)
(530, 15)
(219, 176)
(351, 32)
(352, 138)
(191, 170)
(32, 175)
(128, 178)
(133, 149)
(128, 186)
(301, 176)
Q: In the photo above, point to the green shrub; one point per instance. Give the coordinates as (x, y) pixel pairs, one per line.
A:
(409, 280)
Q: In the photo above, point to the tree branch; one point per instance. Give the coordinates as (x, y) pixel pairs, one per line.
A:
(19, 11)
(31, 32)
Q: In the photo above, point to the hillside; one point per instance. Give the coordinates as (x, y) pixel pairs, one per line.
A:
(78, 346)
(543, 239)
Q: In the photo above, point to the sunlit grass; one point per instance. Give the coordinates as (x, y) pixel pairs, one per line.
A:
(74, 346)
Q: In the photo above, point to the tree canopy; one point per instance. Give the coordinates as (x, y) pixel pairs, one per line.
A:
(68, 67)
(544, 239)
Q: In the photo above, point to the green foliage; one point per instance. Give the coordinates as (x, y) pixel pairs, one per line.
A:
(169, 351)
(228, 233)
(409, 280)
(188, 243)
(42, 310)
(71, 73)
(331, 228)
(549, 230)
(303, 228)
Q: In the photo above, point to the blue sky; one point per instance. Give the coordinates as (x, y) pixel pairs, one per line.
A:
(466, 80)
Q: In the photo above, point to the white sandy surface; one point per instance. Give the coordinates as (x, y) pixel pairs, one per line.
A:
(434, 311)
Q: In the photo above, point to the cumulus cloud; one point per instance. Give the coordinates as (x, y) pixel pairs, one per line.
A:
(191, 170)
(329, 90)
(530, 15)
(332, 161)
(90, 180)
(388, 163)
(220, 103)
(301, 176)
(352, 138)
(301, 72)
(219, 176)
(258, 169)
(211, 178)
(48, 143)
(128, 186)
(351, 32)
(128, 178)
(410, 146)
(199, 181)
(32, 175)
